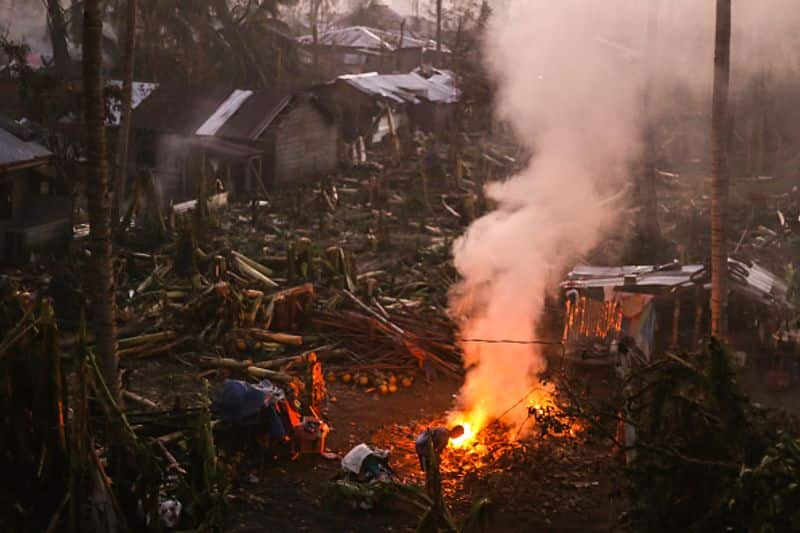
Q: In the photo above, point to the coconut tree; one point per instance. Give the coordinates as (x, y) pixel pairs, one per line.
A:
(719, 170)
(98, 195)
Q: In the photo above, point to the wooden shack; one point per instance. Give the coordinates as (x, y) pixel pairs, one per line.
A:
(664, 307)
(249, 140)
(35, 206)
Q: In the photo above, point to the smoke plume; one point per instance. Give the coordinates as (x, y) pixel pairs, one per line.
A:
(571, 78)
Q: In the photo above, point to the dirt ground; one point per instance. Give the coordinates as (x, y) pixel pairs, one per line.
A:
(539, 483)
(544, 485)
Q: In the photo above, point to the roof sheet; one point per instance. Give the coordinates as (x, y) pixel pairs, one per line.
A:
(179, 109)
(14, 151)
(216, 111)
(405, 88)
(367, 38)
(746, 278)
(255, 115)
(226, 110)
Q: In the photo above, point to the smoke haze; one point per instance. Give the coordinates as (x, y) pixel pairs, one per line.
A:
(571, 77)
(25, 21)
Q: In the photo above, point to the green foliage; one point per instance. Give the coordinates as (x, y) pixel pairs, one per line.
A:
(706, 459)
(204, 489)
(478, 518)
(347, 494)
(766, 497)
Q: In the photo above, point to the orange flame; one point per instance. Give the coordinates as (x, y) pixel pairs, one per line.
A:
(473, 422)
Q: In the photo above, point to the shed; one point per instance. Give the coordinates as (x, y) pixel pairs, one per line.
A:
(263, 136)
(654, 304)
(35, 207)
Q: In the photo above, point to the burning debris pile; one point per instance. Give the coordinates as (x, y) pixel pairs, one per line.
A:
(537, 473)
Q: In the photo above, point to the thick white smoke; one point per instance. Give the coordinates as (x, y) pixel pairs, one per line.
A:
(571, 76)
(571, 94)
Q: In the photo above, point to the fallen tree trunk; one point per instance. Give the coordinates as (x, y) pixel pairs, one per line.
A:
(141, 400)
(280, 338)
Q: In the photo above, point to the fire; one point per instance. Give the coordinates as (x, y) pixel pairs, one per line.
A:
(538, 408)
(473, 422)
(465, 439)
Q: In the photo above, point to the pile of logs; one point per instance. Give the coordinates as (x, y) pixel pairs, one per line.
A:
(384, 340)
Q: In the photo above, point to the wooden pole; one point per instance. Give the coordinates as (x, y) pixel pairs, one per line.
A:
(698, 315)
(720, 171)
(99, 198)
(676, 320)
(123, 139)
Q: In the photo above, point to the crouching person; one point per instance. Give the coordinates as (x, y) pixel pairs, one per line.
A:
(439, 437)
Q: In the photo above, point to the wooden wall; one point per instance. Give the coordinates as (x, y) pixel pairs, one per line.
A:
(305, 145)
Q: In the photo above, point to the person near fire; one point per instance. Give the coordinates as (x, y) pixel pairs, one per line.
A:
(440, 436)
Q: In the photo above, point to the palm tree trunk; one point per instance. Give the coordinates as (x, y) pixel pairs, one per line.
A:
(719, 171)
(99, 197)
(123, 139)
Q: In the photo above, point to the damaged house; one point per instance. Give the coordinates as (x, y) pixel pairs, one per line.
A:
(242, 140)
(665, 308)
(359, 49)
(419, 100)
(35, 204)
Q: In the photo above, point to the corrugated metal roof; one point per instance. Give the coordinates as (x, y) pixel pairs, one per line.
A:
(405, 88)
(255, 115)
(16, 151)
(368, 38)
(746, 277)
(179, 109)
(219, 111)
(226, 110)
